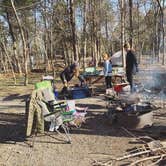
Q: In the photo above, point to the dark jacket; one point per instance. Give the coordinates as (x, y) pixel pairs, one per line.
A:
(130, 61)
(68, 74)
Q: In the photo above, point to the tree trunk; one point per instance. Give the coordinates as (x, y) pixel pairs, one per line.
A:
(3, 62)
(106, 34)
(24, 44)
(163, 34)
(73, 29)
(9, 60)
(46, 37)
(67, 59)
(141, 51)
(138, 34)
(84, 34)
(17, 58)
(51, 41)
(131, 22)
(14, 43)
(98, 31)
(122, 32)
(163, 31)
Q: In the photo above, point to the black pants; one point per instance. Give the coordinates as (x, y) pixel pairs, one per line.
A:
(108, 82)
(129, 76)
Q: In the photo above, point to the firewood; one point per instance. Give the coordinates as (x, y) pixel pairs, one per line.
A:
(148, 158)
(140, 153)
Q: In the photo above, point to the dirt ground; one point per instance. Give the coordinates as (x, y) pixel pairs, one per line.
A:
(95, 140)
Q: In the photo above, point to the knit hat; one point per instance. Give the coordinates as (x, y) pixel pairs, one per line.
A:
(126, 45)
(76, 64)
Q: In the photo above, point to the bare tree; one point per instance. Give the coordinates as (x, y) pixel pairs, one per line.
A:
(84, 33)
(162, 25)
(122, 30)
(73, 29)
(23, 44)
(14, 42)
(131, 21)
(9, 60)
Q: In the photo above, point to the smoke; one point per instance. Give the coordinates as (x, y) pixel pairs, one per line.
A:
(154, 82)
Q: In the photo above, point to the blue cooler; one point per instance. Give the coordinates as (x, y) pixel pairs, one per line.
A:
(80, 92)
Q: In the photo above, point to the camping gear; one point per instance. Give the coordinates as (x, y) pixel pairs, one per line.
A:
(47, 111)
(66, 93)
(80, 92)
(131, 115)
(76, 92)
(58, 114)
(78, 113)
(118, 71)
(51, 79)
(90, 71)
(56, 94)
(70, 105)
(117, 59)
(140, 107)
(118, 88)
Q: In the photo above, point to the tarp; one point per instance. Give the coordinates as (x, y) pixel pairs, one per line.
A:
(117, 58)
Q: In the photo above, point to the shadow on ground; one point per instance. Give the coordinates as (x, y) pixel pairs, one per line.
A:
(16, 96)
(12, 128)
(93, 106)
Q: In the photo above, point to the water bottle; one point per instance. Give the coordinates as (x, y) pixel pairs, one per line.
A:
(56, 93)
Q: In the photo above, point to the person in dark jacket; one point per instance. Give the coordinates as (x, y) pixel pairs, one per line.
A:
(131, 65)
(69, 72)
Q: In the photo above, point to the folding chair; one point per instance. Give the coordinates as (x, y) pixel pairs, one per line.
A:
(57, 114)
(43, 104)
(53, 113)
(61, 114)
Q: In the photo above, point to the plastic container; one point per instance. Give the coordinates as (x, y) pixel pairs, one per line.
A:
(80, 92)
(56, 94)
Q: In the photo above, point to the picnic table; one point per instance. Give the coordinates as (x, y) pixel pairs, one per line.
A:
(93, 76)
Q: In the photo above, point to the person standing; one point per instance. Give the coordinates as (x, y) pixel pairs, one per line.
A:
(131, 65)
(107, 70)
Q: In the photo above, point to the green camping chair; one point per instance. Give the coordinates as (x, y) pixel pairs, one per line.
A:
(43, 104)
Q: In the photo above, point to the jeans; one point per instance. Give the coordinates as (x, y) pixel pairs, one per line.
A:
(108, 82)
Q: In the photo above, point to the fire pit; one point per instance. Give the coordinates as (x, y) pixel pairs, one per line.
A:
(131, 115)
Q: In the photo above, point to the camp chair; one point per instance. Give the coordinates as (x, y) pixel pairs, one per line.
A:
(53, 113)
(60, 114)
(57, 114)
(43, 104)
